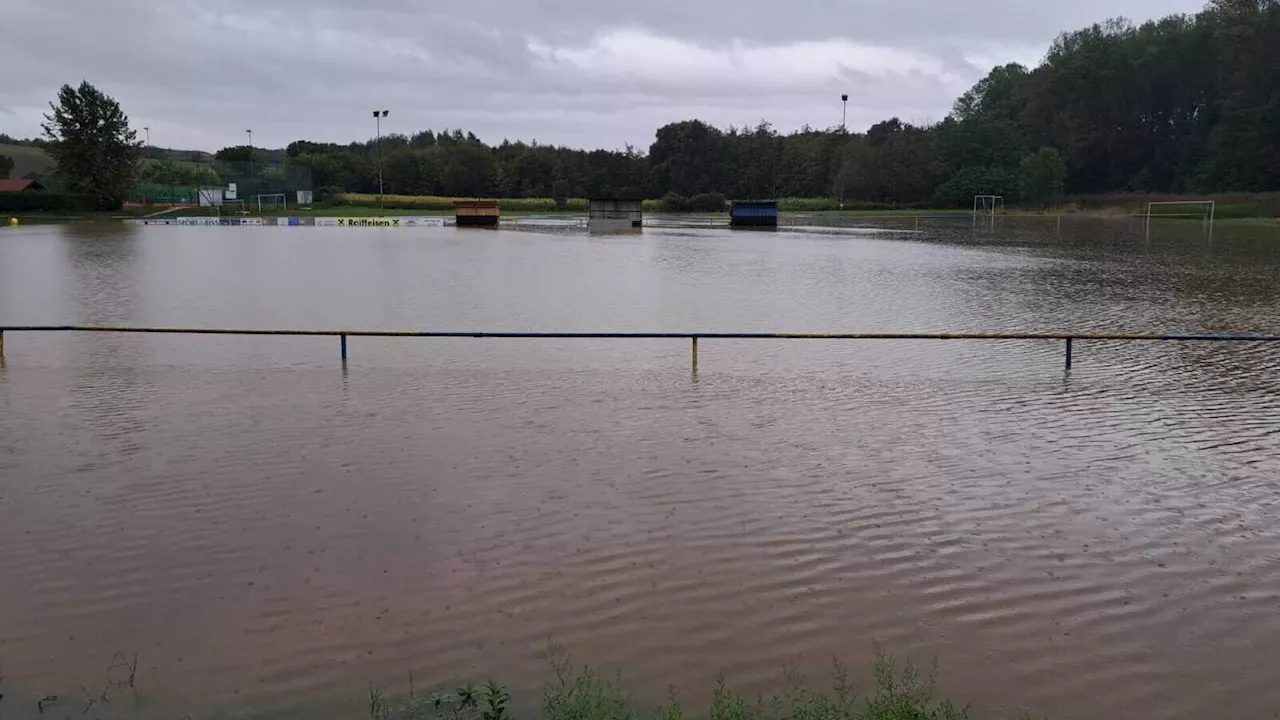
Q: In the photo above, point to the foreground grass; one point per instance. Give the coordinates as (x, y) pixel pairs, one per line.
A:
(897, 693)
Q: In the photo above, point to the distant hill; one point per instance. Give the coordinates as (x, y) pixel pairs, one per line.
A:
(31, 160)
(28, 161)
(193, 156)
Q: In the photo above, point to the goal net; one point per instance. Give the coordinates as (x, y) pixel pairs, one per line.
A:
(269, 202)
(987, 204)
(1202, 210)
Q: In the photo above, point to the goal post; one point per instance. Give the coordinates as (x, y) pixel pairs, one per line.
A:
(1205, 210)
(987, 205)
(269, 201)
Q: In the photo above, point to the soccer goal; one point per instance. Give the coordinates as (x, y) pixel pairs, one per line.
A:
(987, 205)
(269, 201)
(1202, 210)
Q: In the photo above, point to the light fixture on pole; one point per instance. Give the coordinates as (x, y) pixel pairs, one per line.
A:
(377, 118)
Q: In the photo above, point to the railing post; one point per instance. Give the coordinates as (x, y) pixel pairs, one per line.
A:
(1068, 353)
(1, 347)
(695, 354)
(344, 348)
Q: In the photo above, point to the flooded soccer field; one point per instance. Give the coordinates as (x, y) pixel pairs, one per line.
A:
(270, 531)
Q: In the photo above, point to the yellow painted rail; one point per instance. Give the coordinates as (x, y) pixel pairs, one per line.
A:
(1067, 337)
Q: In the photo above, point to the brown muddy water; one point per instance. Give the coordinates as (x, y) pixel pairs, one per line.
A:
(269, 532)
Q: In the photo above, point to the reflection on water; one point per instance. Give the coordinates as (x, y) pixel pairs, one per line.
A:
(269, 533)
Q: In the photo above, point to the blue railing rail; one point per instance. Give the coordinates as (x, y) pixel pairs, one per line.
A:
(1067, 338)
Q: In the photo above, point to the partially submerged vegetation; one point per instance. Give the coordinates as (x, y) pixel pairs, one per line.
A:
(897, 692)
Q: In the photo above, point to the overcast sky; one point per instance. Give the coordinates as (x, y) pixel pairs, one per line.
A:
(584, 73)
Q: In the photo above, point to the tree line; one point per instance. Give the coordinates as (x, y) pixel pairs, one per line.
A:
(1187, 103)
(1184, 104)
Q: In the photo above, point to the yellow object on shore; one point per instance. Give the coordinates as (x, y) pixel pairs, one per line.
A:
(13, 221)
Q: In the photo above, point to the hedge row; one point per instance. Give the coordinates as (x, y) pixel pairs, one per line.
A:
(702, 202)
(1230, 205)
(708, 202)
(441, 203)
(44, 201)
(803, 205)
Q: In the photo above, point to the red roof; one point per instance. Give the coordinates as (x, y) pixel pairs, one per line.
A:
(19, 185)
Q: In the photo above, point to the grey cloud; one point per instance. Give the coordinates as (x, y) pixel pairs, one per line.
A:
(565, 71)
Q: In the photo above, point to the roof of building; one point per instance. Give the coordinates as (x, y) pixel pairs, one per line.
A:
(19, 185)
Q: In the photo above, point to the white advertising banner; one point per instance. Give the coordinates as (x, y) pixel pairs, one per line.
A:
(422, 221)
(425, 221)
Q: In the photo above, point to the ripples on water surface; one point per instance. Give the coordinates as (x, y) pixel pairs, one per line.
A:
(270, 532)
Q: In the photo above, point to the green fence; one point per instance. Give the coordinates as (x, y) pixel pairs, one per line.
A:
(168, 181)
(166, 194)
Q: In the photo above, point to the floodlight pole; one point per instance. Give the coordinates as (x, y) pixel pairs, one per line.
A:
(147, 130)
(250, 154)
(377, 118)
(844, 117)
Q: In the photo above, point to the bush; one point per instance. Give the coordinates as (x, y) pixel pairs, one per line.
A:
(327, 193)
(674, 202)
(808, 204)
(43, 201)
(708, 202)
(961, 188)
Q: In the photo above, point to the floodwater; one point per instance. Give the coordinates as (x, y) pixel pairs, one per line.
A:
(269, 532)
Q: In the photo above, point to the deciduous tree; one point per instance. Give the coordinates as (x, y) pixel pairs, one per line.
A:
(1044, 176)
(96, 152)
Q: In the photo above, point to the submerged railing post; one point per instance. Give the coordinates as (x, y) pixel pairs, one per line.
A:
(344, 348)
(1068, 353)
(695, 354)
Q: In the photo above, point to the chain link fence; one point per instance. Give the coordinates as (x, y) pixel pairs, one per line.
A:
(173, 182)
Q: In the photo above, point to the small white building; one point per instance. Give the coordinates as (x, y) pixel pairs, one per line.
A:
(615, 215)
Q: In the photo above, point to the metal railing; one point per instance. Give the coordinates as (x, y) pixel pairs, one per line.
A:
(1068, 338)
